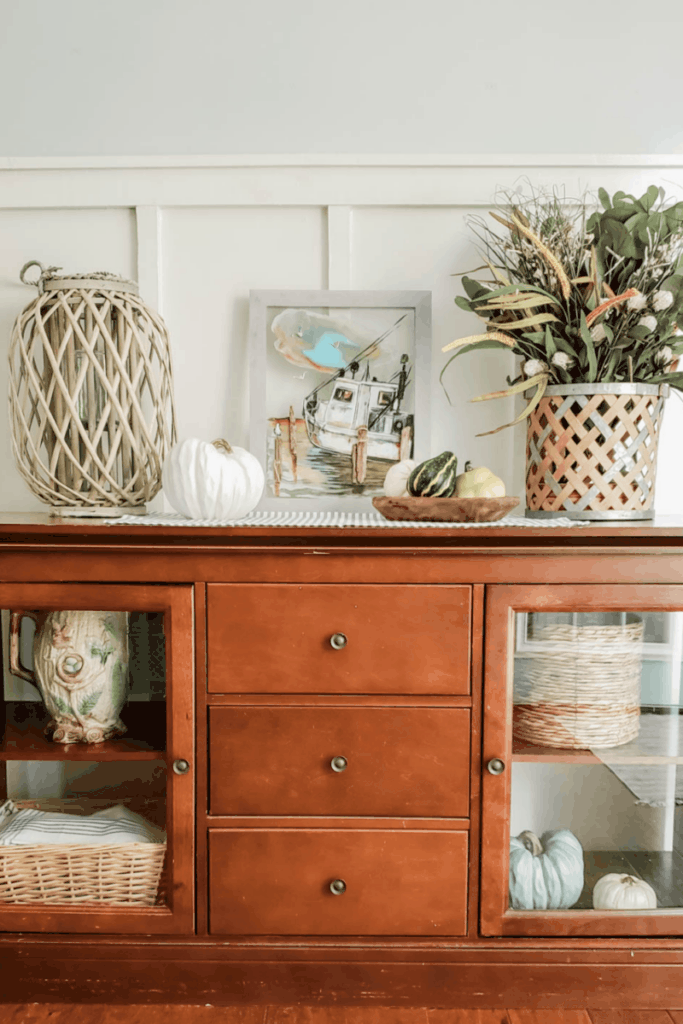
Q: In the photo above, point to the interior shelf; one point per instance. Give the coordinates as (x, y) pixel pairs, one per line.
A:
(658, 734)
(24, 738)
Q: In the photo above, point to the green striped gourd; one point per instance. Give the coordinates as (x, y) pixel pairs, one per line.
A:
(434, 478)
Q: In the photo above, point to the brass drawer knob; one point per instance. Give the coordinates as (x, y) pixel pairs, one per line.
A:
(338, 764)
(181, 766)
(496, 766)
(338, 641)
(338, 886)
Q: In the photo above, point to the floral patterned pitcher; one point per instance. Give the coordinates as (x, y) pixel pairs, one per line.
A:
(81, 669)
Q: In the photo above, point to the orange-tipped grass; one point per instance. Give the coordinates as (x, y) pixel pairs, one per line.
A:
(608, 303)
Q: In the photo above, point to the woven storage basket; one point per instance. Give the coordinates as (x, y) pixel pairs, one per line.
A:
(120, 875)
(91, 393)
(584, 690)
(592, 451)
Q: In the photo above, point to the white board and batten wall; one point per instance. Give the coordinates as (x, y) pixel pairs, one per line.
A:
(199, 233)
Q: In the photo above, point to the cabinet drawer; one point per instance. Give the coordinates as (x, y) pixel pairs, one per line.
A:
(276, 638)
(277, 882)
(399, 761)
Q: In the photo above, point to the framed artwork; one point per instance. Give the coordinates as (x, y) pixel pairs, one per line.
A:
(339, 391)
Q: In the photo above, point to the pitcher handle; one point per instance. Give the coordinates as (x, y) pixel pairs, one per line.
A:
(15, 665)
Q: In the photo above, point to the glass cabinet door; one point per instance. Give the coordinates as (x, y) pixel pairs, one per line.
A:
(583, 761)
(96, 758)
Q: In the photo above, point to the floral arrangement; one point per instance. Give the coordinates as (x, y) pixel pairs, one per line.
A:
(581, 298)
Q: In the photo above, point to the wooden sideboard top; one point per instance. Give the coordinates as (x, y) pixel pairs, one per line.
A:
(37, 527)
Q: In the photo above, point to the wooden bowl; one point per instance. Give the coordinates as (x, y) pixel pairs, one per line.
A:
(445, 510)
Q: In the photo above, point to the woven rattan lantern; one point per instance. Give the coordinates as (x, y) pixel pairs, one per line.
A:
(90, 395)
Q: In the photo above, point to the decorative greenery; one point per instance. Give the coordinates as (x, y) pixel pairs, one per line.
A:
(62, 706)
(581, 297)
(89, 702)
(100, 652)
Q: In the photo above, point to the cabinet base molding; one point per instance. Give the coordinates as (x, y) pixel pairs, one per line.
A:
(338, 983)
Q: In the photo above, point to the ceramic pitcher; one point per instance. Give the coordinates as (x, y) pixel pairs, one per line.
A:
(80, 661)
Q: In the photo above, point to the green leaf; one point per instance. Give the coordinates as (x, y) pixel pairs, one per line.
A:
(464, 303)
(550, 346)
(510, 289)
(650, 197)
(100, 652)
(62, 706)
(590, 350)
(475, 289)
(674, 379)
(640, 334)
(89, 702)
(612, 363)
(604, 199)
(111, 627)
(119, 684)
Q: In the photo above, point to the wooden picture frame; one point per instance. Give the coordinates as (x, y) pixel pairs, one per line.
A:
(339, 391)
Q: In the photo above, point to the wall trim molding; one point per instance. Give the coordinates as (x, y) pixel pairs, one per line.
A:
(307, 180)
(48, 163)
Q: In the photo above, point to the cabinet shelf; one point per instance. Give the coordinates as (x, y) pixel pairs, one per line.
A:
(523, 751)
(24, 738)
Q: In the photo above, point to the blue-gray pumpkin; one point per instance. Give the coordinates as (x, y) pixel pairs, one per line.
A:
(545, 873)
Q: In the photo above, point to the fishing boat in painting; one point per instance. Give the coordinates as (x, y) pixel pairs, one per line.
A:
(348, 402)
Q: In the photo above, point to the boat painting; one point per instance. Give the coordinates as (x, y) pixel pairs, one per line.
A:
(356, 416)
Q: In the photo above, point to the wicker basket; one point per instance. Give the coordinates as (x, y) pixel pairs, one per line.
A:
(119, 875)
(584, 690)
(592, 451)
(91, 394)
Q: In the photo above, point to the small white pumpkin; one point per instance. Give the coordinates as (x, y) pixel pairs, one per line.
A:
(623, 892)
(212, 481)
(396, 480)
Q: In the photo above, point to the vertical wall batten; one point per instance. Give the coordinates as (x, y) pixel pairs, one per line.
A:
(339, 247)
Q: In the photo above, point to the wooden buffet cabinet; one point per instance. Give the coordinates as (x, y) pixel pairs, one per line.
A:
(344, 701)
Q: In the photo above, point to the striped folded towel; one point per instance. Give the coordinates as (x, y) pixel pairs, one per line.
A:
(114, 825)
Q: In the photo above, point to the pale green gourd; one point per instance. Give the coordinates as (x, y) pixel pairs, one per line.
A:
(545, 873)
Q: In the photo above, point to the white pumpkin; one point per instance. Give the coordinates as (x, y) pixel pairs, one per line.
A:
(396, 480)
(623, 892)
(545, 873)
(212, 481)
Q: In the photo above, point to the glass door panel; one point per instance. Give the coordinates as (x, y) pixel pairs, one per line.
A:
(95, 815)
(587, 810)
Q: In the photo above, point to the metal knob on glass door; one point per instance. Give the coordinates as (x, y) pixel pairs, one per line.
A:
(338, 641)
(338, 764)
(338, 886)
(181, 766)
(496, 766)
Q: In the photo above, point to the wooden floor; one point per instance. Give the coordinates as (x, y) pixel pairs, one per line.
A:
(61, 1013)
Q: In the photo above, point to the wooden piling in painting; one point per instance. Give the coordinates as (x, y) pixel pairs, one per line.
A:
(277, 460)
(292, 439)
(359, 456)
(406, 443)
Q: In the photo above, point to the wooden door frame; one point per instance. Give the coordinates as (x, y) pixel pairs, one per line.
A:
(502, 602)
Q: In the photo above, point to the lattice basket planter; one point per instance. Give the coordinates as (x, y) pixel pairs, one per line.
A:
(592, 451)
(583, 689)
(91, 394)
